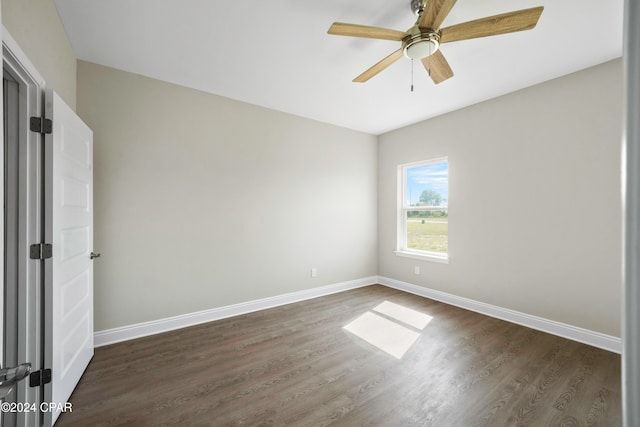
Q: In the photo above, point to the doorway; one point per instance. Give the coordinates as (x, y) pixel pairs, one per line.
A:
(22, 305)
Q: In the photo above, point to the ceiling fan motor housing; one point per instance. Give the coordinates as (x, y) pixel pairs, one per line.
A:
(417, 6)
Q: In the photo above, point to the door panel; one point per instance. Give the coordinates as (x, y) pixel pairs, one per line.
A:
(69, 211)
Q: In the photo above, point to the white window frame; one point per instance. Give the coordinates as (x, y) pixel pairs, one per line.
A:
(401, 248)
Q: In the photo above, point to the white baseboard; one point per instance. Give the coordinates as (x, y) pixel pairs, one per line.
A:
(124, 333)
(595, 339)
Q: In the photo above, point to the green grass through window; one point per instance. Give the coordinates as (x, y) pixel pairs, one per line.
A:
(428, 234)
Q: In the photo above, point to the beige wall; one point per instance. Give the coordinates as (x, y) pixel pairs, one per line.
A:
(535, 211)
(36, 27)
(202, 201)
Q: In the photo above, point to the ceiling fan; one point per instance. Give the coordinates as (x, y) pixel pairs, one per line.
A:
(422, 41)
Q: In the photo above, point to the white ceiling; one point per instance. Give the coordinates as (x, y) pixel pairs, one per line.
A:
(277, 54)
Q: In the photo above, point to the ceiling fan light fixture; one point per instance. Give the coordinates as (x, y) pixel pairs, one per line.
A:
(420, 45)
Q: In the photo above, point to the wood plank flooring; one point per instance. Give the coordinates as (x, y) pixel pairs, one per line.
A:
(295, 365)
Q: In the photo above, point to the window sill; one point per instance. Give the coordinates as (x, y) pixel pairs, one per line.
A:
(443, 259)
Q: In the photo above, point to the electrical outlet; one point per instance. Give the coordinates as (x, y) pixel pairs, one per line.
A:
(416, 269)
(314, 272)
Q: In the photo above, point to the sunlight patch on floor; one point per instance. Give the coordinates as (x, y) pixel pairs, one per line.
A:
(403, 314)
(392, 330)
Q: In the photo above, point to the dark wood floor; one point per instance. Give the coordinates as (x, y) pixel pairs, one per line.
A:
(295, 365)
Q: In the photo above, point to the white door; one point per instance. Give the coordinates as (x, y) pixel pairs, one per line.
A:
(69, 219)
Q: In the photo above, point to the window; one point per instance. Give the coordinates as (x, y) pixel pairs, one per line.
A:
(423, 214)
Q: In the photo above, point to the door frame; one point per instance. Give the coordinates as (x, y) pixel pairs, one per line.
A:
(31, 158)
(631, 212)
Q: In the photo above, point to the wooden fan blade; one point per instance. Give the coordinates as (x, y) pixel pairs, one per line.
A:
(434, 13)
(379, 66)
(510, 22)
(438, 67)
(354, 30)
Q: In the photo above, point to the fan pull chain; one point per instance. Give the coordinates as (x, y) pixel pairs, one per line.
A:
(411, 74)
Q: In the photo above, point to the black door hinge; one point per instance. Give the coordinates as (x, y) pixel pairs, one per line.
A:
(41, 377)
(40, 125)
(40, 251)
